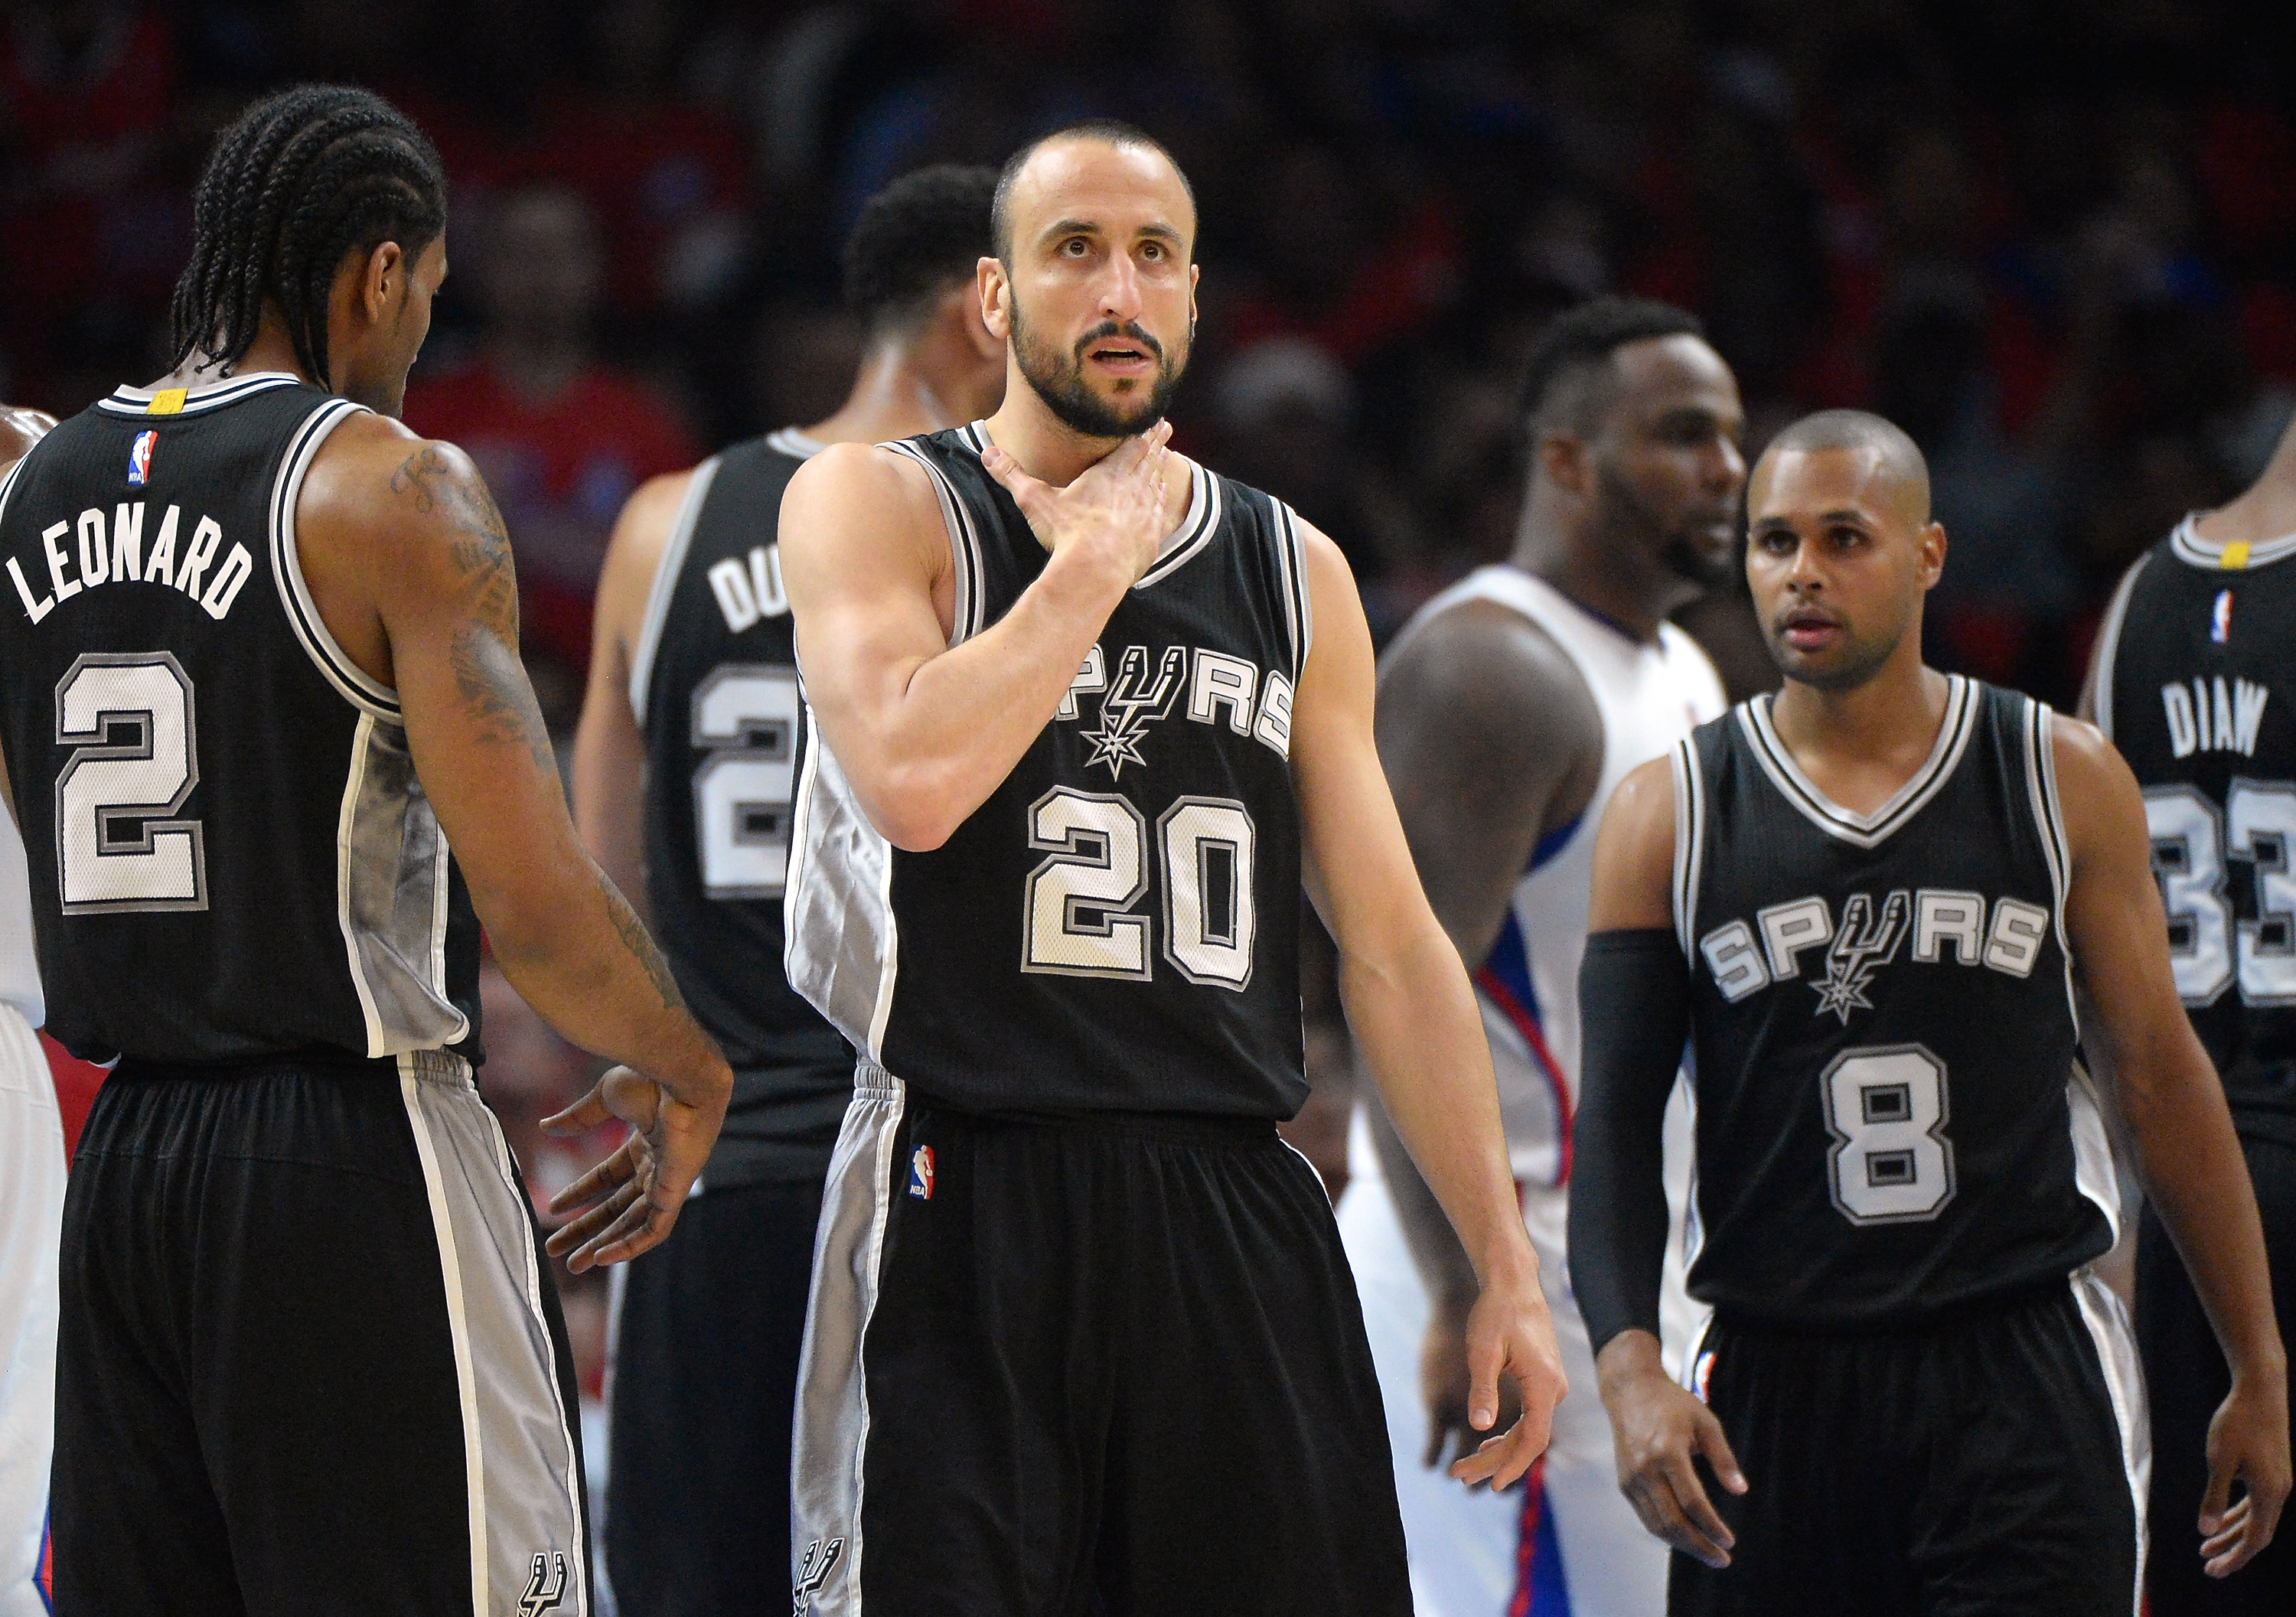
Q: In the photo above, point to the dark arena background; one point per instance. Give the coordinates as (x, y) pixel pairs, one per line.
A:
(2056, 241)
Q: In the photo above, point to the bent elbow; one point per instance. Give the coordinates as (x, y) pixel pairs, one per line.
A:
(915, 810)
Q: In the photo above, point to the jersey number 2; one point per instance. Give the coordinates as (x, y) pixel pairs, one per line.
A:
(747, 715)
(1886, 1107)
(1077, 919)
(119, 847)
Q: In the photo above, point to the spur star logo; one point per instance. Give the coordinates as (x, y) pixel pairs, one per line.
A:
(546, 1585)
(1131, 704)
(1862, 946)
(813, 1573)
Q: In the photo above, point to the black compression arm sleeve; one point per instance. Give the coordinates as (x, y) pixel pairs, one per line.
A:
(1634, 1015)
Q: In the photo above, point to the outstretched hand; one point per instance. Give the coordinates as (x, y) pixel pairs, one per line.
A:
(2248, 1440)
(1112, 513)
(1510, 1333)
(634, 1195)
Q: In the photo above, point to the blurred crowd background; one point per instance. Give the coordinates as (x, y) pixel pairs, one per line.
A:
(2053, 238)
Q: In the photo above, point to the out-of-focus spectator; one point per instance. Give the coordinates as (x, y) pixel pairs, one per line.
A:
(561, 437)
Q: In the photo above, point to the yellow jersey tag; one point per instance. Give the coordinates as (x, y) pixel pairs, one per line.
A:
(2234, 556)
(169, 401)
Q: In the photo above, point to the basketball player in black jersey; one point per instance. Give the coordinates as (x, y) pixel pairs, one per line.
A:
(1081, 1328)
(2194, 680)
(277, 760)
(684, 770)
(1866, 903)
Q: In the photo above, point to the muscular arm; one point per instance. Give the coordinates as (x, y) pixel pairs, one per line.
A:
(417, 572)
(1414, 1015)
(1489, 739)
(925, 731)
(609, 746)
(2168, 1094)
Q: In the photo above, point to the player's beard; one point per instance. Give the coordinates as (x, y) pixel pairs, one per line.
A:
(1058, 379)
(1628, 518)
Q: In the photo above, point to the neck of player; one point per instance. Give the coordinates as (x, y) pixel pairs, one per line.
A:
(2268, 511)
(1046, 446)
(1861, 743)
(1569, 551)
(894, 396)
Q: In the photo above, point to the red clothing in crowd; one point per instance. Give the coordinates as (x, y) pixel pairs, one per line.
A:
(559, 468)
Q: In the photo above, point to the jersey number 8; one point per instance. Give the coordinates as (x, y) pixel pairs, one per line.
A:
(1077, 918)
(1886, 1107)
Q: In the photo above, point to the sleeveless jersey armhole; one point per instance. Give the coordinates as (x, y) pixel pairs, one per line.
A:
(1291, 572)
(665, 572)
(963, 545)
(1689, 828)
(2108, 643)
(2049, 821)
(352, 683)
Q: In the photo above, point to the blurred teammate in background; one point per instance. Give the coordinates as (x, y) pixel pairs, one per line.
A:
(1508, 709)
(275, 761)
(684, 770)
(2196, 682)
(31, 1204)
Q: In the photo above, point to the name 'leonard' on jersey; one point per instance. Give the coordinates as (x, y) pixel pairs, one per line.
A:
(1116, 927)
(1888, 1123)
(230, 856)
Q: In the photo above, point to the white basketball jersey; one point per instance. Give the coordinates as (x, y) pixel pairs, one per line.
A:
(1650, 696)
(19, 967)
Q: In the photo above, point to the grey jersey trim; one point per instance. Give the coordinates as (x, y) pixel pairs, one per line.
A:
(391, 892)
(841, 944)
(2037, 726)
(964, 545)
(665, 572)
(1199, 525)
(1689, 839)
(137, 401)
(2108, 644)
(2185, 541)
(354, 684)
(1864, 830)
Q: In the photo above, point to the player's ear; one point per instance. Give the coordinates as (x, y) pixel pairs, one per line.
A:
(963, 307)
(382, 278)
(1933, 553)
(996, 290)
(1565, 462)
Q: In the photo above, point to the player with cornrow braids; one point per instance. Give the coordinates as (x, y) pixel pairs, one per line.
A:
(277, 761)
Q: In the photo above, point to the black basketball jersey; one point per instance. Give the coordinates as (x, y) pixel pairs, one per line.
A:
(2191, 665)
(1882, 1028)
(1116, 928)
(714, 685)
(230, 856)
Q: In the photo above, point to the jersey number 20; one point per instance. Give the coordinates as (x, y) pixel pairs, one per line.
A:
(119, 847)
(1077, 919)
(1886, 1106)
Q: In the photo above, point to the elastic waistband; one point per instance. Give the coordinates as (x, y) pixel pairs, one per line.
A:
(438, 1066)
(1161, 1128)
(1994, 1305)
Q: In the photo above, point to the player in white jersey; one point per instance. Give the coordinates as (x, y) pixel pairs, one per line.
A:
(31, 1206)
(1508, 709)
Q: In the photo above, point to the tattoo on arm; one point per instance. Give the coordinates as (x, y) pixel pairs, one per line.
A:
(640, 943)
(497, 699)
(480, 549)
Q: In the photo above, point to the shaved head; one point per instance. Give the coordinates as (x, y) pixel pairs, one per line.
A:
(1108, 132)
(1901, 467)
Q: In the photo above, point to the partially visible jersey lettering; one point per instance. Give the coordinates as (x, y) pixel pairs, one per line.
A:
(1220, 689)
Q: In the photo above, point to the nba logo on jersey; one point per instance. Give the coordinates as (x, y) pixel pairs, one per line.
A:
(139, 457)
(921, 1173)
(2220, 620)
(1701, 1375)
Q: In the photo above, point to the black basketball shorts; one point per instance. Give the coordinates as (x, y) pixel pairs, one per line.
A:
(2185, 1371)
(1984, 1465)
(707, 1330)
(310, 1356)
(1056, 1370)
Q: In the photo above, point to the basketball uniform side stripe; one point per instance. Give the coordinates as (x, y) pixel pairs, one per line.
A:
(442, 1225)
(831, 1437)
(346, 829)
(2108, 644)
(666, 572)
(2124, 1382)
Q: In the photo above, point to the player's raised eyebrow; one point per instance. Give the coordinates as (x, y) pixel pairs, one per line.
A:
(1086, 227)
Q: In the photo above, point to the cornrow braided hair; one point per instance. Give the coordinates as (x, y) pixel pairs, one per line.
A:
(299, 180)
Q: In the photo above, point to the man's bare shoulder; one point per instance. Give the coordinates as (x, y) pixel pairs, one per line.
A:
(862, 494)
(387, 501)
(20, 430)
(1486, 665)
